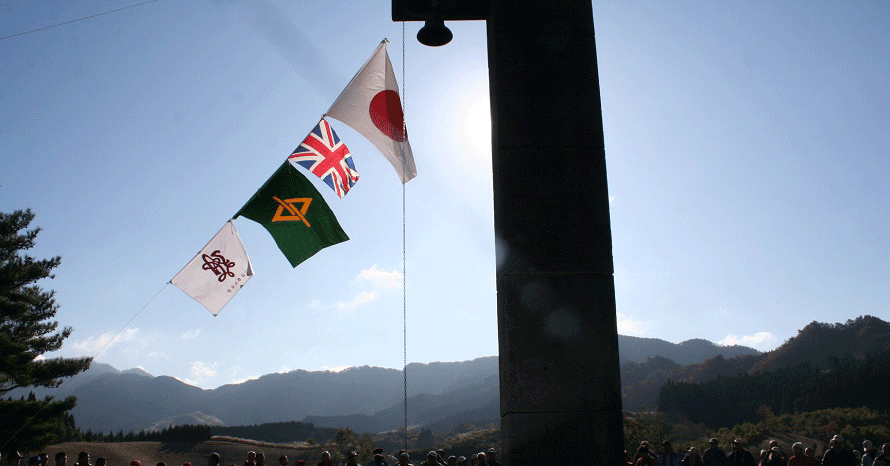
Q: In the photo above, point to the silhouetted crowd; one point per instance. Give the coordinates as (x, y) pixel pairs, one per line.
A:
(837, 455)
(401, 458)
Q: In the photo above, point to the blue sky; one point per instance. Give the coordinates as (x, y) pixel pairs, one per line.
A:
(747, 143)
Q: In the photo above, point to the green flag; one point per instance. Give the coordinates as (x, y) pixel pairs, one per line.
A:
(295, 214)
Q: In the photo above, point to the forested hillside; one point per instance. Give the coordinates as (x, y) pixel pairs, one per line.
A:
(849, 366)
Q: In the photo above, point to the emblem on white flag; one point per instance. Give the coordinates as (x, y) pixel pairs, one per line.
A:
(370, 104)
(217, 272)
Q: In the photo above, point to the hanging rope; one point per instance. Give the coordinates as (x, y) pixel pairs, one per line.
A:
(78, 19)
(58, 390)
(404, 256)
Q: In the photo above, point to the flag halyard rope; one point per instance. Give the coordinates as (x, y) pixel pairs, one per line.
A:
(65, 381)
(404, 258)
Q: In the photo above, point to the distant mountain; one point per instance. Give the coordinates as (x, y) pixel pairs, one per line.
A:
(636, 349)
(442, 395)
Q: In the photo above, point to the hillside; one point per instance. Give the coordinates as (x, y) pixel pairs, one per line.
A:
(442, 395)
(824, 366)
(172, 453)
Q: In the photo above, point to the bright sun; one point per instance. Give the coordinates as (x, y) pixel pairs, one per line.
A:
(476, 130)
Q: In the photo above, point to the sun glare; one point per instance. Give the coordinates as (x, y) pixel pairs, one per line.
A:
(477, 129)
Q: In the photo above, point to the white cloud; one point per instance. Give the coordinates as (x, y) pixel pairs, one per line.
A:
(244, 379)
(191, 335)
(334, 368)
(364, 297)
(201, 370)
(93, 344)
(159, 355)
(763, 341)
(380, 278)
(628, 326)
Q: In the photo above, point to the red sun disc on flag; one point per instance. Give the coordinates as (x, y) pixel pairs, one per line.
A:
(386, 113)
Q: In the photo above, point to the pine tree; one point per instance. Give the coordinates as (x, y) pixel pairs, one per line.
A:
(27, 331)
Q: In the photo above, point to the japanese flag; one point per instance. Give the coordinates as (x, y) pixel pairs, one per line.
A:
(370, 104)
(217, 272)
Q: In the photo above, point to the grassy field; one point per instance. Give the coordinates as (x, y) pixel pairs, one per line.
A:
(175, 454)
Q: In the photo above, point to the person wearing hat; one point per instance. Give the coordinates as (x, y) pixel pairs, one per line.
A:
(714, 456)
(352, 459)
(798, 456)
(432, 459)
(462, 461)
(491, 458)
(326, 459)
(739, 456)
(668, 457)
(837, 455)
(379, 459)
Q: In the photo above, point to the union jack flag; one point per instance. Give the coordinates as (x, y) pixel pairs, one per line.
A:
(324, 154)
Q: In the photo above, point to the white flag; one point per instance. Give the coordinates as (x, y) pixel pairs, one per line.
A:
(218, 271)
(370, 104)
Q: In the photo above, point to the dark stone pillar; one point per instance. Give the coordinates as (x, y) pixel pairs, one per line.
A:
(560, 388)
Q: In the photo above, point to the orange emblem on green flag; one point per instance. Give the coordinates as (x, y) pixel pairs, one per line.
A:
(290, 208)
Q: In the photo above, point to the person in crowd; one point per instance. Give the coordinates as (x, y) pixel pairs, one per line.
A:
(480, 458)
(404, 459)
(714, 456)
(440, 457)
(379, 459)
(644, 457)
(213, 459)
(83, 459)
(693, 458)
(135, 463)
(668, 457)
(869, 453)
(775, 457)
(884, 458)
(61, 458)
(739, 456)
(764, 457)
(451, 461)
(251, 459)
(352, 459)
(101, 461)
(260, 459)
(798, 457)
(283, 461)
(161, 464)
(326, 459)
(774, 446)
(474, 459)
(838, 455)
(300, 463)
(812, 454)
(431, 459)
(492, 458)
(462, 461)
